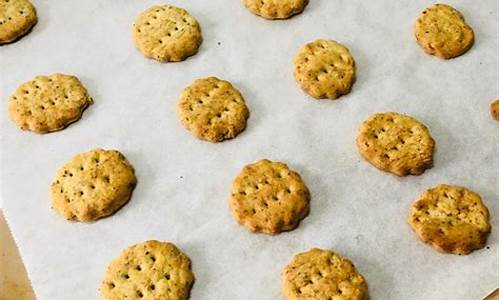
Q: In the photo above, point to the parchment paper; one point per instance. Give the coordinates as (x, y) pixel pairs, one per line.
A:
(184, 183)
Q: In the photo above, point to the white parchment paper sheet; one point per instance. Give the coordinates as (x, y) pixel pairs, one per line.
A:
(184, 183)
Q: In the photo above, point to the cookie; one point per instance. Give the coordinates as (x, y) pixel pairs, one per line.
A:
(494, 109)
(396, 143)
(450, 218)
(324, 69)
(48, 103)
(92, 185)
(17, 17)
(148, 271)
(442, 31)
(167, 33)
(275, 9)
(212, 110)
(322, 275)
(268, 197)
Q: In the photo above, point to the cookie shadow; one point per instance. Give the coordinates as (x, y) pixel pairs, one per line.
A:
(139, 200)
(375, 276)
(490, 199)
(363, 71)
(447, 149)
(202, 279)
(320, 195)
(479, 36)
(256, 109)
(92, 88)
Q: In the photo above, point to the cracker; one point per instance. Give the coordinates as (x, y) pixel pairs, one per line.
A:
(93, 185)
(151, 270)
(17, 17)
(268, 197)
(494, 109)
(212, 109)
(442, 31)
(167, 33)
(452, 219)
(275, 9)
(325, 69)
(396, 143)
(322, 275)
(48, 103)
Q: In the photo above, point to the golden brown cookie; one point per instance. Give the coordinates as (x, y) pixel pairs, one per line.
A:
(17, 17)
(451, 219)
(324, 69)
(396, 143)
(275, 9)
(322, 275)
(494, 109)
(93, 185)
(268, 197)
(48, 103)
(167, 33)
(151, 270)
(212, 109)
(442, 31)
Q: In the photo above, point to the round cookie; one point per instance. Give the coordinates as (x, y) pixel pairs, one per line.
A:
(268, 197)
(322, 275)
(149, 271)
(442, 31)
(212, 109)
(452, 219)
(275, 9)
(167, 33)
(92, 185)
(48, 103)
(324, 69)
(494, 109)
(17, 17)
(396, 143)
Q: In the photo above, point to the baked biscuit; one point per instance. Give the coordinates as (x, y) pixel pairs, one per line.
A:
(324, 69)
(396, 143)
(212, 109)
(268, 197)
(322, 275)
(167, 33)
(451, 219)
(93, 185)
(494, 109)
(151, 270)
(48, 103)
(17, 17)
(275, 9)
(442, 31)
